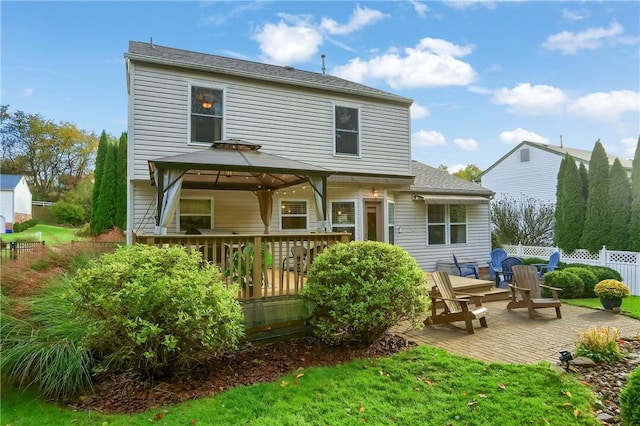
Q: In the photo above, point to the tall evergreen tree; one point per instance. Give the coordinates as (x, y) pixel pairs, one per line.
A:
(97, 177)
(121, 183)
(584, 177)
(620, 205)
(106, 211)
(559, 226)
(596, 223)
(573, 207)
(634, 226)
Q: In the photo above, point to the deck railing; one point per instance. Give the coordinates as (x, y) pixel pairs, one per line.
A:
(277, 268)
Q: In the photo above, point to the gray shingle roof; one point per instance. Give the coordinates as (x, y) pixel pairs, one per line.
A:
(146, 52)
(9, 182)
(433, 181)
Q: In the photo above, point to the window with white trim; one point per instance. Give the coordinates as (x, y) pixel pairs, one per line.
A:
(195, 213)
(293, 215)
(343, 216)
(206, 114)
(391, 217)
(347, 127)
(446, 224)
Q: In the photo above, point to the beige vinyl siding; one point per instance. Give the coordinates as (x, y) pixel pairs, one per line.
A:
(295, 123)
(144, 208)
(411, 218)
(536, 178)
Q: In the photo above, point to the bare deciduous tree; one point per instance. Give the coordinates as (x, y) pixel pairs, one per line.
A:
(526, 221)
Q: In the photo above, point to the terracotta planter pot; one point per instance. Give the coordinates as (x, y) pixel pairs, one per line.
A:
(611, 302)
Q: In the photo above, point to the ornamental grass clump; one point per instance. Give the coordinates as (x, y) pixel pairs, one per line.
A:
(608, 289)
(362, 288)
(600, 344)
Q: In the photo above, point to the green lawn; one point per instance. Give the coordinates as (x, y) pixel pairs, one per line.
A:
(630, 305)
(422, 386)
(51, 235)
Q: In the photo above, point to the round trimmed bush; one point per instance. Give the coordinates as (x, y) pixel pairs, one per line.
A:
(606, 273)
(362, 288)
(630, 399)
(155, 309)
(588, 278)
(570, 283)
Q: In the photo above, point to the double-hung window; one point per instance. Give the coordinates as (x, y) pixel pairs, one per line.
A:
(293, 215)
(391, 217)
(206, 114)
(446, 224)
(347, 127)
(195, 213)
(343, 217)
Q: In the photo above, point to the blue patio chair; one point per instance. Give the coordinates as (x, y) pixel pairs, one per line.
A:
(554, 259)
(465, 269)
(495, 264)
(507, 273)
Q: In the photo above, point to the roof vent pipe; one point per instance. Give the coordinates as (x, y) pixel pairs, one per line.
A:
(323, 68)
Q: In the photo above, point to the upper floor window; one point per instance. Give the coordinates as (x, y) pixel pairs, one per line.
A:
(206, 114)
(446, 224)
(524, 155)
(195, 213)
(343, 217)
(347, 122)
(293, 215)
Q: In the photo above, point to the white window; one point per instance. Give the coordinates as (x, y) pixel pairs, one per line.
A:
(195, 213)
(391, 215)
(343, 217)
(206, 114)
(347, 127)
(446, 224)
(293, 215)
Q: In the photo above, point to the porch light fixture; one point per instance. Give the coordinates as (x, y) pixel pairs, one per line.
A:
(374, 193)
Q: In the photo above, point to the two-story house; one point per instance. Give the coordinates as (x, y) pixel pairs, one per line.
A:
(222, 149)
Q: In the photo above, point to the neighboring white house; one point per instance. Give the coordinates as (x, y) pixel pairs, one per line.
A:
(15, 201)
(216, 144)
(530, 170)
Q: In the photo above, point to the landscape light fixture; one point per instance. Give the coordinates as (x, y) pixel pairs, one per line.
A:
(565, 357)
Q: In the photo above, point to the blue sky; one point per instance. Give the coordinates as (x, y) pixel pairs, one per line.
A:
(483, 75)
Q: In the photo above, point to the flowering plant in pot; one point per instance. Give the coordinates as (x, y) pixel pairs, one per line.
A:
(611, 292)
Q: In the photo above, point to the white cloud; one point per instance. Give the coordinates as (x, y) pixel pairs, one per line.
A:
(569, 43)
(467, 144)
(575, 15)
(28, 92)
(479, 90)
(607, 106)
(629, 147)
(454, 168)
(427, 138)
(420, 8)
(531, 100)
(419, 111)
(284, 44)
(518, 135)
(432, 63)
(465, 4)
(361, 17)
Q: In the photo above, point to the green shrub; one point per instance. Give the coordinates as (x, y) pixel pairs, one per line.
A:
(360, 289)
(570, 283)
(23, 226)
(630, 399)
(588, 278)
(600, 344)
(606, 273)
(156, 309)
(70, 213)
(43, 348)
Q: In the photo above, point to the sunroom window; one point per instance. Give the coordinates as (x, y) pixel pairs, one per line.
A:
(446, 224)
(195, 213)
(206, 114)
(293, 215)
(347, 130)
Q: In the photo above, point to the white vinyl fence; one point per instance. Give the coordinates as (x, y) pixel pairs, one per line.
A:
(627, 263)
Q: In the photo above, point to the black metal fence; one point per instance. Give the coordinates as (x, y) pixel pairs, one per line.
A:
(17, 249)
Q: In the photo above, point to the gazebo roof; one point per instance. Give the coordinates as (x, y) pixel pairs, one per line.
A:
(233, 164)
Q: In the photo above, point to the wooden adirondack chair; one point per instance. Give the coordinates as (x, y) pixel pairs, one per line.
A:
(455, 306)
(525, 291)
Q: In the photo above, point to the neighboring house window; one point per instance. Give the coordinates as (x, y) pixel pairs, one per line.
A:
(343, 217)
(524, 155)
(195, 213)
(206, 114)
(446, 224)
(391, 215)
(347, 130)
(293, 215)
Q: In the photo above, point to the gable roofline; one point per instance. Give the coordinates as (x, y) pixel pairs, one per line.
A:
(161, 55)
(9, 182)
(430, 180)
(580, 155)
